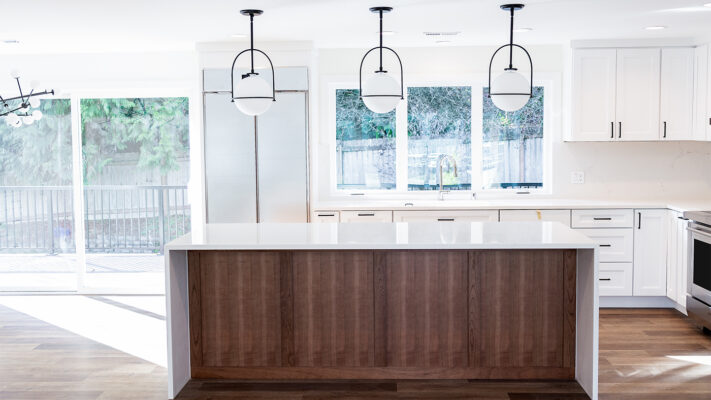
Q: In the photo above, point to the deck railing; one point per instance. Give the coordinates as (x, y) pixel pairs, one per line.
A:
(117, 219)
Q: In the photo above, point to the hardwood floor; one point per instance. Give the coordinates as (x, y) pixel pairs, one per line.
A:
(40, 361)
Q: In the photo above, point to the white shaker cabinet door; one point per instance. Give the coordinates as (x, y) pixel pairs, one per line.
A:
(677, 94)
(650, 252)
(637, 100)
(594, 94)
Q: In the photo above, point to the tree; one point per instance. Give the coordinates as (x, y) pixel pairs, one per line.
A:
(156, 129)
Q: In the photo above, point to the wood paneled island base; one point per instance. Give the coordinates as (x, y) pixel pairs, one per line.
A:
(387, 301)
(383, 314)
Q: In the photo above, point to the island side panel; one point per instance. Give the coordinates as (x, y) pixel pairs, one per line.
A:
(587, 320)
(177, 317)
(519, 325)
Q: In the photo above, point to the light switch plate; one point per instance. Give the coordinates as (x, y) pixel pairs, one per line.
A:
(577, 177)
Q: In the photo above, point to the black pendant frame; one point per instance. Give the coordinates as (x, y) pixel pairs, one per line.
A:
(251, 50)
(380, 11)
(25, 100)
(511, 8)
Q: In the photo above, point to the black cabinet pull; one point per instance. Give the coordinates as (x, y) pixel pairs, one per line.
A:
(366, 214)
(619, 131)
(665, 129)
(683, 219)
(605, 279)
(605, 245)
(445, 219)
(602, 219)
(612, 130)
(326, 215)
(639, 220)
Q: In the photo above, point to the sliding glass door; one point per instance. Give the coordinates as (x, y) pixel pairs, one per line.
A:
(91, 193)
(135, 173)
(37, 221)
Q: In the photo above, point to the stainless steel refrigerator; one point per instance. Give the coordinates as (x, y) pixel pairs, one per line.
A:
(257, 168)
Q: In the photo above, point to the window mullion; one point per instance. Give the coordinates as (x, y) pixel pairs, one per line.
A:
(401, 146)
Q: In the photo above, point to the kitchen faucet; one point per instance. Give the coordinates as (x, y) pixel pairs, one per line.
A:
(451, 162)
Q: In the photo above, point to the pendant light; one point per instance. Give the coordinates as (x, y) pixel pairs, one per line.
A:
(254, 96)
(19, 115)
(510, 91)
(381, 91)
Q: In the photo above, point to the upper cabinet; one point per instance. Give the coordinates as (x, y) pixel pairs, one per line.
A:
(637, 94)
(594, 94)
(633, 94)
(701, 92)
(677, 94)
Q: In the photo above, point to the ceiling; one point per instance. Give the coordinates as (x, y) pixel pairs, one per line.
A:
(171, 25)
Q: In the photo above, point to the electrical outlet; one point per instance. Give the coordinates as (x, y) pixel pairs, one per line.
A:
(577, 177)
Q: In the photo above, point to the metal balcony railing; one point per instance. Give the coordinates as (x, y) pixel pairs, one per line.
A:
(117, 219)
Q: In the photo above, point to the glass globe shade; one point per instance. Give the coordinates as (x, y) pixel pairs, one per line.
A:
(253, 86)
(12, 119)
(37, 115)
(28, 120)
(381, 83)
(15, 74)
(510, 82)
(35, 102)
(17, 123)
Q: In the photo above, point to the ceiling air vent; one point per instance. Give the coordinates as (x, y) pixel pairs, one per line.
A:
(441, 33)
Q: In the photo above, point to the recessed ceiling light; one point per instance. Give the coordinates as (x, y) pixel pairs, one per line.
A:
(239, 35)
(11, 41)
(655, 28)
(443, 41)
(707, 5)
(522, 30)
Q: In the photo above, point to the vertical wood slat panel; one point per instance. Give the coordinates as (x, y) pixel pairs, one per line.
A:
(333, 308)
(424, 302)
(516, 309)
(570, 309)
(241, 311)
(195, 308)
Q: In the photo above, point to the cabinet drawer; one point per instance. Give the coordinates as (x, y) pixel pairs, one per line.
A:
(446, 216)
(366, 216)
(615, 218)
(325, 216)
(616, 245)
(562, 216)
(615, 279)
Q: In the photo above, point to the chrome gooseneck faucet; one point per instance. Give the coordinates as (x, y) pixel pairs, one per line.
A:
(452, 163)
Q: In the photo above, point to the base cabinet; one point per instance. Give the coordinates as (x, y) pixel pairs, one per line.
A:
(650, 253)
(615, 279)
(446, 216)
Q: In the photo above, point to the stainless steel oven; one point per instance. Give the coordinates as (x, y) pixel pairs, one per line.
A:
(698, 300)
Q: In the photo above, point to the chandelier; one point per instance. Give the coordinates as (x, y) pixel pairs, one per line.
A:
(22, 114)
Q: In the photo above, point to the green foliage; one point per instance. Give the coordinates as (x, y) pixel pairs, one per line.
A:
(41, 153)
(518, 125)
(440, 111)
(156, 129)
(354, 121)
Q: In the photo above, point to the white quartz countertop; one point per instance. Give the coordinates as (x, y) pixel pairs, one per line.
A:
(385, 235)
(518, 204)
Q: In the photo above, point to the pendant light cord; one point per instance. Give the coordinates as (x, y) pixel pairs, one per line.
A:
(381, 41)
(251, 39)
(511, 39)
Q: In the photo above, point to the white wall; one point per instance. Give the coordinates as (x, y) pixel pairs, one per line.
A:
(670, 170)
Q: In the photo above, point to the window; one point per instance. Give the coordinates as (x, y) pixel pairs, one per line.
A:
(494, 151)
(365, 144)
(439, 121)
(512, 145)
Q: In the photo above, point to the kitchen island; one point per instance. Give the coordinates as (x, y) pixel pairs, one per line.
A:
(470, 300)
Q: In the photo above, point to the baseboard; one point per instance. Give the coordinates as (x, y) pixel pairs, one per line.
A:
(637, 302)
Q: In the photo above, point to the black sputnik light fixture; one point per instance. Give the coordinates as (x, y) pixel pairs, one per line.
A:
(381, 93)
(27, 101)
(254, 96)
(510, 91)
